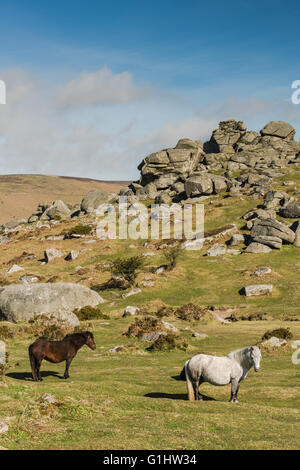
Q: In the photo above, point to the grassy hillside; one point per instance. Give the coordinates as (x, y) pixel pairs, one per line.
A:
(20, 194)
(132, 399)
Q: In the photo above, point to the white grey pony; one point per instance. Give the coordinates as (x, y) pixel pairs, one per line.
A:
(232, 368)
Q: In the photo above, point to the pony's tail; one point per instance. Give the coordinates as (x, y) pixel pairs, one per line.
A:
(190, 388)
(32, 363)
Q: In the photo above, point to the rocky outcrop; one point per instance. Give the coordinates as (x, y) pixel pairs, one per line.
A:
(22, 302)
(94, 199)
(272, 228)
(189, 169)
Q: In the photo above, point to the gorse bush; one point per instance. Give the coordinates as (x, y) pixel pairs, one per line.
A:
(171, 256)
(90, 313)
(127, 267)
(144, 325)
(167, 343)
(5, 332)
(190, 312)
(281, 333)
(80, 230)
(165, 312)
(46, 326)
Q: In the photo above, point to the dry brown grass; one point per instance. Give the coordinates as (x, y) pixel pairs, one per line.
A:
(20, 194)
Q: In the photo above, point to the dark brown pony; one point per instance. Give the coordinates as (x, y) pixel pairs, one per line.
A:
(58, 351)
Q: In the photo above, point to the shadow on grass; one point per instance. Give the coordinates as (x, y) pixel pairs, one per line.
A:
(175, 396)
(27, 375)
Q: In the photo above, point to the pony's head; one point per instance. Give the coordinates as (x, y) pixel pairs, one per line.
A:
(255, 357)
(89, 340)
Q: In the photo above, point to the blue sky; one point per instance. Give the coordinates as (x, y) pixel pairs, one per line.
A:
(93, 86)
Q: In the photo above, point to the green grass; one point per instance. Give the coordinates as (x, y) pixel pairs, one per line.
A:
(132, 401)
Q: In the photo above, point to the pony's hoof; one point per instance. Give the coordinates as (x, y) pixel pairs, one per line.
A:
(40, 380)
(66, 377)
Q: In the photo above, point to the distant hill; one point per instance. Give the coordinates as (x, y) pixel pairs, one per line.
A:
(20, 194)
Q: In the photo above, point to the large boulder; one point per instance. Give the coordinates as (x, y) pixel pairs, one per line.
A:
(58, 210)
(257, 289)
(198, 185)
(94, 199)
(272, 228)
(279, 129)
(226, 136)
(22, 302)
(291, 211)
(272, 242)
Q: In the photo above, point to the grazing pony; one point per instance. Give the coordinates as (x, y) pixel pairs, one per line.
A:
(58, 351)
(221, 370)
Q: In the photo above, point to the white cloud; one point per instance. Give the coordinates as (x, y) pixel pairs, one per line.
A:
(107, 140)
(100, 87)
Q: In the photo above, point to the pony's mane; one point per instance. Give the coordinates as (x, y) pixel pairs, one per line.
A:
(238, 354)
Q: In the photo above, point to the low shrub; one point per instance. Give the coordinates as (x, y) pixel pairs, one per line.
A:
(165, 312)
(171, 256)
(127, 267)
(144, 325)
(6, 332)
(190, 312)
(80, 230)
(47, 327)
(281, 333)
(90, 313)
(168, 342)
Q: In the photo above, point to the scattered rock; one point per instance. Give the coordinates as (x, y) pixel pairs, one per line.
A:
(47, 399)
(132, 292)
(262, 271)
(129, 310)
(191, 245)
(28, 279)
(258, 289)
(72, 255)
(274, 342)
(199, 335)
(14, 269)
(3, 427)
(51, 253)
(116, 349)
(168, 326)
(236, 239)
(216, 250)
(257, 248)
(151, 337)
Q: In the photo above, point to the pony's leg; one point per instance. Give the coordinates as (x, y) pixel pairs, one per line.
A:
(234, 390)
(200, 396)
(68, 363)
(196, 384)
(33, 367)
(38, 371)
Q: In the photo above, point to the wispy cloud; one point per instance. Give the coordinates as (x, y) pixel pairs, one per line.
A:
(100, 87)
(101, 124)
